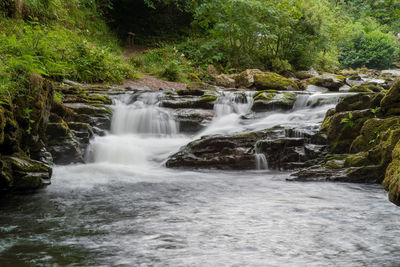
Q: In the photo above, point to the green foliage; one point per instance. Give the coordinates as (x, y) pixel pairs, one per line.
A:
(58, 96)
(373, 49)
(55, 52)
(348, 122)
(165, 62)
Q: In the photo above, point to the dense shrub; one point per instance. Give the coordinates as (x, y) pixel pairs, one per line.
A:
(374, 49)
(55, 52)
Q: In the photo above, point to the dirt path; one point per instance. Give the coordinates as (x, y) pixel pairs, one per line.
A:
(153, 83)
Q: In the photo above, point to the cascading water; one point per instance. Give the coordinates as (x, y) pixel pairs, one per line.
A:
(141, 132)
(261, 161)
(126, 209)
(233, 102)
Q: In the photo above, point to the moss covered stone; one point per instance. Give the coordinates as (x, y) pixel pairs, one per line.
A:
(371, 133)
(332, 82)
(366, 88)
(341, 134)
(357, 160)
(246, 78)
(390, 104)
(266, 100)
(392, 176)
(269, 80)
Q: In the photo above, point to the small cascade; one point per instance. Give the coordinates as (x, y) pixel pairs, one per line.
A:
(261, 161)
(233, 102)
(135, 133)
(301, 101)
(143, 117)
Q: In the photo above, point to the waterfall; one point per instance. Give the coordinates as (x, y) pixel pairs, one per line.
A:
(233, 102)
(135, 133)
(261, 161)
(142, 117)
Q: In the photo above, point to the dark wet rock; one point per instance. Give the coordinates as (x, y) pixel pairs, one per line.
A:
(63, 144)
(234, 152)
(192, 121)
(366, 174)
(190, 92)
(271, 100)
(203, 102)
(289, 153)
(19, 172)
(269, 80)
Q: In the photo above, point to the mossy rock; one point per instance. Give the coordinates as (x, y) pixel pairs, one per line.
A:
(57, 130)
(270, 80)
(392, 176)
(265, 101)
(332, 82)
(246, 78)
(334, 164)
(186, 92)
(381, 154)
(357, 160)
(340, 134)
(366, 88)
(371, 131)
(200, 86)
(390, 104)
(18, 172)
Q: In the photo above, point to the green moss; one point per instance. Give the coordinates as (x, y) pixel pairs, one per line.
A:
(372, 131)
(357, 160)
(334, 164)
(208, 98)
(263, 95)
(360, 89)
(269, 80)
(392, 177)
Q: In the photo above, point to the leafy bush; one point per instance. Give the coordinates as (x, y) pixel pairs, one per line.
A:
(373, 49)
(56, 52)
(166, 62)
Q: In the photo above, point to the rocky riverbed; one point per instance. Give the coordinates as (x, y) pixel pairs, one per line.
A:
(233, 124)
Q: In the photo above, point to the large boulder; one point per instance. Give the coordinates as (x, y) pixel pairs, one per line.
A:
(343, 127)
(390, 104)
(205, 101)
(246, 78)
(235, 152)
(289, 152)
(272, 100)
(63, 144)
(270, 80)
(192, 120)
(330, 81)
(19, 172)
(371, 133)
(224, 80)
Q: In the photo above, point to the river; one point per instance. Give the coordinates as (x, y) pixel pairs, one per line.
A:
(124, 208)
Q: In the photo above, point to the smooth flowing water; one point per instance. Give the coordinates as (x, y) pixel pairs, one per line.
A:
(124, 208)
